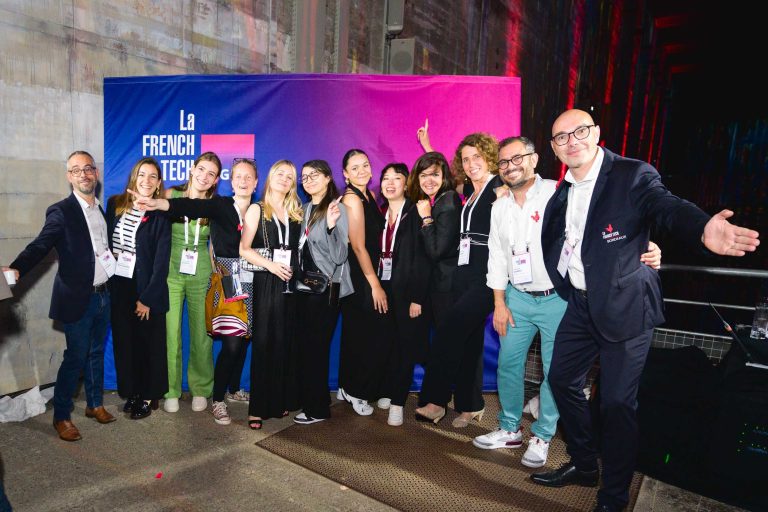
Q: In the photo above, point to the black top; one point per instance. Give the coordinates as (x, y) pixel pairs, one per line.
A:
(479, 228)
(374, 223)
(226, 224)
(441, 240)
(410, 265)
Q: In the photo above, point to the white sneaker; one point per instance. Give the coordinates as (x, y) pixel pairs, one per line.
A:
(171, 405)
(536, 454)
(395, 415)
(340, 395)
(499, 439)
(240, 395)
(360, 406)
(303, 419)
(384, 403)
(199, 403)
(220, 413)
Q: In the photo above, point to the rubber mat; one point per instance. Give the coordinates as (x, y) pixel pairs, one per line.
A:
(421, 466)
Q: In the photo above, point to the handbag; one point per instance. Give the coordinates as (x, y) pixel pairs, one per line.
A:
(310, 281)
(224, 317)
(264, 252)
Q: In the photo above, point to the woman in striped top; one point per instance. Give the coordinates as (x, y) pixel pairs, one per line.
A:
(141, 243)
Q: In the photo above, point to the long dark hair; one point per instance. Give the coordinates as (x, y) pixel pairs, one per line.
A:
(424, 162)
(331, 192)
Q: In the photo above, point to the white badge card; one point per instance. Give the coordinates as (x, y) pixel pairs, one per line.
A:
(246, 276)
(522, 271)
(282, 256)
(464, 244)
(107, 262)
(126, 261)
(188, 262)
(565, 258)
(386, 268)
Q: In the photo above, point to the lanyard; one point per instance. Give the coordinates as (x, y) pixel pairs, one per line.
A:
(186, 232)
(530, 223)
(570, 219)
(394, 233)
(280, 233)
(305, 228)
(122, 231)
(240, 217)
(472, 207)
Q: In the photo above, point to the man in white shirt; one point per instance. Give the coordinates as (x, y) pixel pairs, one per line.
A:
(77, 229)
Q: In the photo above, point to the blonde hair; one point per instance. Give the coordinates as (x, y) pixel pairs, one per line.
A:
(291, 201)
(124, 201)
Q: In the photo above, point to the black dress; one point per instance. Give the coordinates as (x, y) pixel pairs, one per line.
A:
(365, 345)
(274, 357)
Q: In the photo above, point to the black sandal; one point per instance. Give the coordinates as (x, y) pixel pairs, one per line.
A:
(255, 424)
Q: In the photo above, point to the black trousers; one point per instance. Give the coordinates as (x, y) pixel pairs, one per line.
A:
(457, 350)
(139, 346)
(577, 344)
(229, 366)
(315, 333)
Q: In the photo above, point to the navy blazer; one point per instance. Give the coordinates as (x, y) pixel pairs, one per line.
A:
(441, 240)
(65, 229)
(624, 294)
(153, 253)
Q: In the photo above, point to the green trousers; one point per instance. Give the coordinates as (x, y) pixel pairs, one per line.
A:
(200, 364)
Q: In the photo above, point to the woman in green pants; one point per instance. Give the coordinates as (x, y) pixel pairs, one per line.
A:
(188, 275)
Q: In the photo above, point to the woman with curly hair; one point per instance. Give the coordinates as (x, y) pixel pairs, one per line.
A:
(455, 360)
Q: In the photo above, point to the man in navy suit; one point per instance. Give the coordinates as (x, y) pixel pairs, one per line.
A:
(595, 227)
(76, 227)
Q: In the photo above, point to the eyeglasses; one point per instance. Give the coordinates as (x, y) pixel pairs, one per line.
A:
(515, 160)
(561, 139)
(243, 159)
(88, 170)
(310, 176)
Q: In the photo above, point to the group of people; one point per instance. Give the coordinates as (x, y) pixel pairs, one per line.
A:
(447, 246)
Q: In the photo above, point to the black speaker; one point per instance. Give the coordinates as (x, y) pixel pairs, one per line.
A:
(401, 56)
(395, 14)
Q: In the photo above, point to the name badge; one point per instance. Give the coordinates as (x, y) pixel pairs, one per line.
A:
(565, 258)
(246, 276)
(386, 268)
(282, 256)
(188, 262)
(107, 262)
(521, 268)
(464, 251)
(126, 261)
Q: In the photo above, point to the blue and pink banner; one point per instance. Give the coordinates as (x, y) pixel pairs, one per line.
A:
(299, 118)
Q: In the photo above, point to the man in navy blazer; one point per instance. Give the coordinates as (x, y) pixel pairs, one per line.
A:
(595, 227)
(76, 227)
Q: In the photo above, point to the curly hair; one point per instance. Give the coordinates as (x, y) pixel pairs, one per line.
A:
(488, 147)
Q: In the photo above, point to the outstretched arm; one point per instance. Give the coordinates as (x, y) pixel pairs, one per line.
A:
(423, 135)
(726, 239)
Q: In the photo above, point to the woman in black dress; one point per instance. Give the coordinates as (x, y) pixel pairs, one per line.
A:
(274, 224)
(457, 348)
(365, 346)
(141, 243)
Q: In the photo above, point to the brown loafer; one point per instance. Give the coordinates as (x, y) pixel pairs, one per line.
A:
(67, 430)
(100, 413)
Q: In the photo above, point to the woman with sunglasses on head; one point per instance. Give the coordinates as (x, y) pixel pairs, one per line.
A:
(323, 248)
(188, 276)
(404, 273)
(457, 347)
(226, 223)
(273, 224)
(365, 345)
(141, 244)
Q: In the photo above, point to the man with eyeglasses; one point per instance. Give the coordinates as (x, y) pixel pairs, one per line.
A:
(76, 227)
(597, 220)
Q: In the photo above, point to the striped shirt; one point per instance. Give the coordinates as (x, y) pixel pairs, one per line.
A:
(124, 235)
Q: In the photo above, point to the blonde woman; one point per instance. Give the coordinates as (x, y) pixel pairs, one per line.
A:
(273, 223)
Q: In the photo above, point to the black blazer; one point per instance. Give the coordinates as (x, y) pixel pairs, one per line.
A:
(410, 265)
(624, 295)
(441, 240)
(153, 253)
(65, 229)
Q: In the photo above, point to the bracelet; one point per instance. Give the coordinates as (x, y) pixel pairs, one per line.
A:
(427, 217)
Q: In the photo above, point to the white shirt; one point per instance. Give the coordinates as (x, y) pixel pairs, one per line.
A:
(97, 228)
(512, 229)
(579, 198)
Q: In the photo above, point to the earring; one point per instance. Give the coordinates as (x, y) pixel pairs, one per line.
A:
(346, 180)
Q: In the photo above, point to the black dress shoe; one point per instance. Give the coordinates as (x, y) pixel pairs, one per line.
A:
(602, 507)
(567, 475)
(141, 410)
(130, 404)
